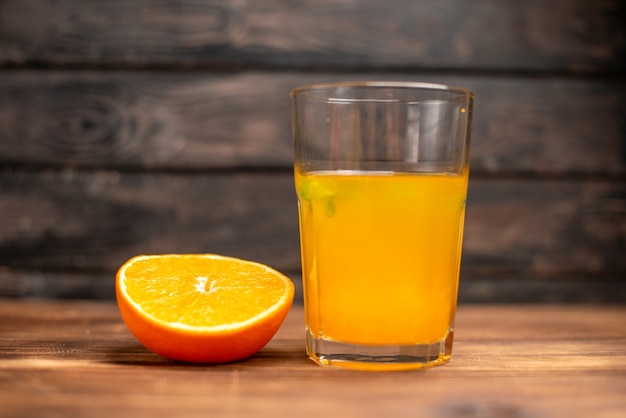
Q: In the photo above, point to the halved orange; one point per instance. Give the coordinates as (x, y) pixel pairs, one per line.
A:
(202, 307)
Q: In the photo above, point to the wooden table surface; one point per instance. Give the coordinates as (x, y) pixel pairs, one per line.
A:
(65, 359)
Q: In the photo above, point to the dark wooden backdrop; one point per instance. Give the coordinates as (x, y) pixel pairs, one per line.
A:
(152, 126)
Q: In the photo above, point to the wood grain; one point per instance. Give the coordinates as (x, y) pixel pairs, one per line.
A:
(96, 221)
(181, 121)
(553, 35)
(78, 359)
(163, 125)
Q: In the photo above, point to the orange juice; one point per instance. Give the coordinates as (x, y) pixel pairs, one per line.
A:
(380, 254)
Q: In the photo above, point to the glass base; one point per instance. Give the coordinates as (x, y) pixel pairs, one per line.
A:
(378, 357)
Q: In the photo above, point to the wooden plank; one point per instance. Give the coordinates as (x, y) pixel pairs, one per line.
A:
(98, 220)
(78, 359)
(551, 35)
(181, 121)
(577, 228)
(29, 284)
(473, 289)
(94, 221)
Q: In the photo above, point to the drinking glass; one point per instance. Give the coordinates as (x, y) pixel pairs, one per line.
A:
(381, 173)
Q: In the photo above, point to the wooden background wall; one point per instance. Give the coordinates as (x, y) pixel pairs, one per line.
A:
(151, 126)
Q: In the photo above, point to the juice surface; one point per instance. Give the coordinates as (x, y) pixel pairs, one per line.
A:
(380, 254)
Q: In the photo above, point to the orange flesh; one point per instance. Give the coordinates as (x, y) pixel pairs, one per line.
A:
(200, 293)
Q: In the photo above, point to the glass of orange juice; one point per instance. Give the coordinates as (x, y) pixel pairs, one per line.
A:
(381, 174)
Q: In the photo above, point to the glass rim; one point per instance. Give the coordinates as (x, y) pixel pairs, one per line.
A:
(408, 85)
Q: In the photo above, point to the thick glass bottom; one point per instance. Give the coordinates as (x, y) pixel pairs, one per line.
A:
(378, 357)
